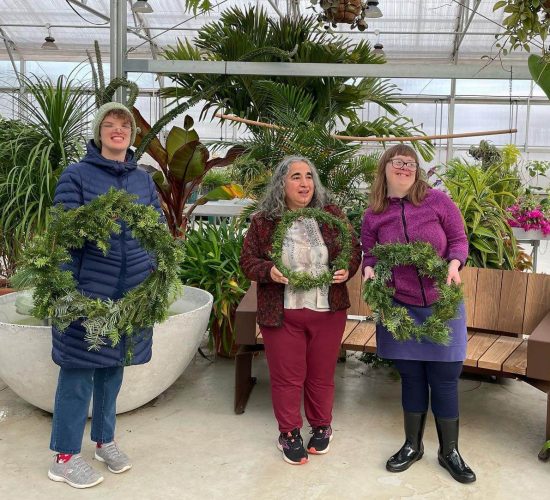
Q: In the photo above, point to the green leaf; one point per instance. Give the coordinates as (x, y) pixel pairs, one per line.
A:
(178, 137)
(540, 71)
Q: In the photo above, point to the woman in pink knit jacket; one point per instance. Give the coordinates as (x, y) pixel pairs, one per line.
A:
(403, 209)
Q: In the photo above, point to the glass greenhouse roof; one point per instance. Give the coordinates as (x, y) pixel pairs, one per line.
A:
(408, 29)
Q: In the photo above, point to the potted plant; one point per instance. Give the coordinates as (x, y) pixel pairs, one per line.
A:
(530, 218)
(350, 12)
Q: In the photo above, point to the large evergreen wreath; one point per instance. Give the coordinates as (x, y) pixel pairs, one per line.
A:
(395, 318)
(301, 280)
(55, 294)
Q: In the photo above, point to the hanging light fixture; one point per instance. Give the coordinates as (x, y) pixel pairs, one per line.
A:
(142, 7)
(379, 49)
(373, 10)
(49, 41)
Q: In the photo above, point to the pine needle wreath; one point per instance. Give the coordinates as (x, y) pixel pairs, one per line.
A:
(301, 280)
(55, 294)
(396, 319)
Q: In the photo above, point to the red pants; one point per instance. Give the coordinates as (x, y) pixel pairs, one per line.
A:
(301, 355)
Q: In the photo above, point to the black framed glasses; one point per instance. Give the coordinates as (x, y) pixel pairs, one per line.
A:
(411, 166)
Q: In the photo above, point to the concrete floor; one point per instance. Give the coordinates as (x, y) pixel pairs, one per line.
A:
(189, 444)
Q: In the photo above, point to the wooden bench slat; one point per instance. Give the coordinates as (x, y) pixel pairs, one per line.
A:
(477, 345)
(360, 336)
(469, 280)
(517, 361)
(496, 355)
(512, 302)
(351, 325)
(370, 346)
(489, 284)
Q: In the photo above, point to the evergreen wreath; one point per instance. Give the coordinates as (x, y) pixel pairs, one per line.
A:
(396, 319)
(55, 294)
(302, 280)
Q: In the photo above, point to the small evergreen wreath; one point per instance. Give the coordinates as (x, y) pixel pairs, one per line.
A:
(301, 280)
(55, 294)
(396, 319)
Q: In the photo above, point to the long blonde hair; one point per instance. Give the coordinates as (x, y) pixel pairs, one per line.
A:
(379, 193)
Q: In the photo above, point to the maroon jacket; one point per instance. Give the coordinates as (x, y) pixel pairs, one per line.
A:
(256, 263)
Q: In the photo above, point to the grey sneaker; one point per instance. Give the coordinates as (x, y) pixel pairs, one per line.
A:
(76, 472)
(116, 460)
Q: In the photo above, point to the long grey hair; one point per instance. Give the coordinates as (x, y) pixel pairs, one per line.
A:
(273, 203)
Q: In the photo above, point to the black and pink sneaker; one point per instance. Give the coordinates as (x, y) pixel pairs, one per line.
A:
(319, 442)
(292, 446)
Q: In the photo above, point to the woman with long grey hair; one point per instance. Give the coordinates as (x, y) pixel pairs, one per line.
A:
(301, 328)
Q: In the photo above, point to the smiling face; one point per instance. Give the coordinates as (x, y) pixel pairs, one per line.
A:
(299, 186)
(115, 133)
(400, 180)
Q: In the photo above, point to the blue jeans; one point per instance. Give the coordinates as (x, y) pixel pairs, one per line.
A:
(72, 401)
(419, 378)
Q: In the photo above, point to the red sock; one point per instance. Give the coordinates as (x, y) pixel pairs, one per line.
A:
(98, 445)
(63, 457)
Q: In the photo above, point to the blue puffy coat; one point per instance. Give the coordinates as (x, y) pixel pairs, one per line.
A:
(124, 267)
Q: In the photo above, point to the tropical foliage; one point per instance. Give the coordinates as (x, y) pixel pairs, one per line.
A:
(482, 195)
(33, 154)
(183, 162)
(212, 263)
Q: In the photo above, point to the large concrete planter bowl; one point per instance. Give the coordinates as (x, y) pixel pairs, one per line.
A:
(26, 364)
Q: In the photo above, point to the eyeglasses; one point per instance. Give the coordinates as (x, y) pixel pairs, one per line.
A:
(404, 165)
(111, 126)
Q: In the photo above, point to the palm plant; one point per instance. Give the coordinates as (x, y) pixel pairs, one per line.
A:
(250, 35)
(51, 137)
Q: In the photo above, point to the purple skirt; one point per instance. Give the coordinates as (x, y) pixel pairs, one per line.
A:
(425, 350)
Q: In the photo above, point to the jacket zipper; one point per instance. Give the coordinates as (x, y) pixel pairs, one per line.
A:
(424, 301)
(120, 278)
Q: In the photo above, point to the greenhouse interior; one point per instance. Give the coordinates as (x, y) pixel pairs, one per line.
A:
(213, 112)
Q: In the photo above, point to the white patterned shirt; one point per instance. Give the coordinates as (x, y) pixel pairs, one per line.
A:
(304, 250)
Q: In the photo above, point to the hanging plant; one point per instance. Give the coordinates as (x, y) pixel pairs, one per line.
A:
(350, 12)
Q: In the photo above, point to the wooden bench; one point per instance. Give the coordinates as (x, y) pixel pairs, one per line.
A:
(508, 319)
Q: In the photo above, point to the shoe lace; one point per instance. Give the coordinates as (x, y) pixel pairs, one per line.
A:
(112, 450)
(321, 430)
(80, 465)
(292, 436)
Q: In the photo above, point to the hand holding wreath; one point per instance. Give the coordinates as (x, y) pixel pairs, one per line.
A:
(337, 273)
(395, 318)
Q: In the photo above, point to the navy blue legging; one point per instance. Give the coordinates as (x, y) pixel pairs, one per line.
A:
(418, 377)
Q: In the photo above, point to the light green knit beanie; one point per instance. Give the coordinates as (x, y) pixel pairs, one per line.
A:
(103, 111)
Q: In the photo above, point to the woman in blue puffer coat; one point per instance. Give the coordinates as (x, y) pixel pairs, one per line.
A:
(83, 372)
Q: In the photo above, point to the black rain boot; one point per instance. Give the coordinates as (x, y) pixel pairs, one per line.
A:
(448, 454)
(413, 449)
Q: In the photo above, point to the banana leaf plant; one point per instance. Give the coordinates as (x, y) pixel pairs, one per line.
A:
(183, 163)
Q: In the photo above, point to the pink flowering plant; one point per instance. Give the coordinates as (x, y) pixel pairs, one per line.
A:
(529, 213)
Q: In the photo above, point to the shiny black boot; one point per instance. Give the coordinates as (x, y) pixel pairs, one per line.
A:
(413, 449)
(448, 454)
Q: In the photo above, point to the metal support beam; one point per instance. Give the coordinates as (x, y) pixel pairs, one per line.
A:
(103, 17)
(275, 8)
(118, 44)
(459, 25)
(8, 43)
(451, 119)
(465, 28)
(429, 69)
